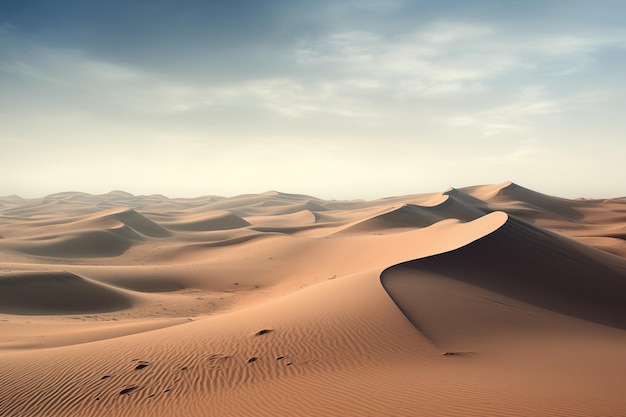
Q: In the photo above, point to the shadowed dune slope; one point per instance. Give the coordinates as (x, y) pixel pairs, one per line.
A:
(92, 243)
(33, 293)
(218, 220)
(406, 216)
(508, 192)
(534, 266)
(134, 220)
(457, 206)
(417, 216)
(466, 198)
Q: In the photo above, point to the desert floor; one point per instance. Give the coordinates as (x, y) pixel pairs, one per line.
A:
(491, 300)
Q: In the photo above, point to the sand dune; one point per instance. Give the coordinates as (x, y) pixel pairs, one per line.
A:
(219, 220)
(485, 300)
(298, 218)
(407, 216)
(56, 293)
(443, 207)
(134, 220)
(520, 199)
(91, 243)
(523, 263)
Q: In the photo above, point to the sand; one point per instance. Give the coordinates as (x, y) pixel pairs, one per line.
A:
(489, 300)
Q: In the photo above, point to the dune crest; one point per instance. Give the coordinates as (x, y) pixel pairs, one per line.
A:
(134, 220)
(218, 220)
(520, 262)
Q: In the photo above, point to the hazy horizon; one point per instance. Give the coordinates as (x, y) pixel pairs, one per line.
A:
(295, 192)
(343, 99)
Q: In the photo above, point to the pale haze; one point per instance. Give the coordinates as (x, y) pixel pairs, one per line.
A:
(337, 99)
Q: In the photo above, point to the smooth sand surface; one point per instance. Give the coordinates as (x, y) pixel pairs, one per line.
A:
(491, 300)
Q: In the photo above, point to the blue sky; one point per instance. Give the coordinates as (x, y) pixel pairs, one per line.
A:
(338, 99)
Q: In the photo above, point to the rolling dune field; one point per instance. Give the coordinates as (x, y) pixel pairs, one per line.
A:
(492, 300)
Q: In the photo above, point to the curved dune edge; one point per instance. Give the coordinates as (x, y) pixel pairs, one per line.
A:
(86, 243)
(217, 220)
(511, 193)
(521, 263)
(43, 293)
(442, 207)
(136, 221)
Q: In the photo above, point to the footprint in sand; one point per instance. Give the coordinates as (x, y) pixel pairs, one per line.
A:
(127, 390)
(456, 353)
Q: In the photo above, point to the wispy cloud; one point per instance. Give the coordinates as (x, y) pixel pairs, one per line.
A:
(369, 77)
(349, 74)
(514, 114)
(429, 58)
(521, 154)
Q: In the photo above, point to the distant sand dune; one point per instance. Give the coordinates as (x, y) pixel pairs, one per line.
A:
(298, 218)
(145, 281)
(220, 220)
(57, 293)
(93, 243)
(509, 192)
(134, 220)
(412, 216)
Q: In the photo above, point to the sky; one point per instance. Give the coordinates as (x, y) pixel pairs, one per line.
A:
(337, 99)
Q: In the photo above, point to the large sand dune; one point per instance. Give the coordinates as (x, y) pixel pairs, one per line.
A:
(488, 300)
